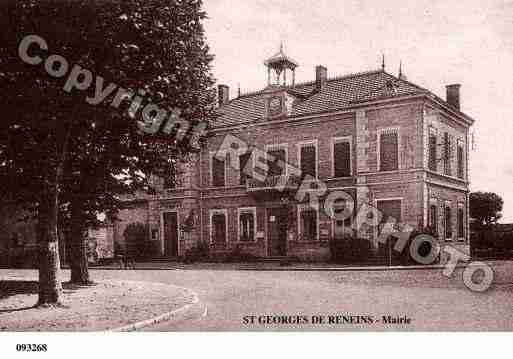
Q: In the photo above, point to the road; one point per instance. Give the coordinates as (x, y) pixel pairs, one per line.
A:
(430, 300)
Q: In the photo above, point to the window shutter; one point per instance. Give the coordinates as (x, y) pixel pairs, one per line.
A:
(342, 154)
(247, 229)
(447, 154)
(433, 219)
(218, 179)
(461, 223)
(309, 220)
(274, 168)
(389, 160)
(448, 222)
(243, 163)
(308, 161)
(432, 153)
(461, 173)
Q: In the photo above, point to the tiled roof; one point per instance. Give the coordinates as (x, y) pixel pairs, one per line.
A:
(337, 94)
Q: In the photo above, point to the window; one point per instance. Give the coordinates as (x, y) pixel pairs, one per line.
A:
(308, 224)
(169, 183)
(247, 224)
(461, 222)
(391, 211)
(433, 217)
(432, 165)
(170, 180)
(244, 173)
(308, 160)
(275, 106)
(277, 162)
(388, 151)
(447, 154)
(218, 227)
(342, 226)
(218, 172)
(448, 222)
(341, 158)
(461, 173)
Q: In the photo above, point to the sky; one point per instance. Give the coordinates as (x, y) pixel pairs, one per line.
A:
(439, 43)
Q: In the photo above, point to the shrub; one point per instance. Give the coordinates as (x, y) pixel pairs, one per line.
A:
(200, 251)
(350, 249)
(238, 255)
(136, 239)
(404, 257)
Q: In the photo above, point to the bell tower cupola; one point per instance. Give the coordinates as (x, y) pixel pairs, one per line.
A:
(277, 68)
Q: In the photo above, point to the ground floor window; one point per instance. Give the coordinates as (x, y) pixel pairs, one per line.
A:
(218, 230)
(448, 222)
(433, 218)
(308, 221)
(247, 222)
(342, 227)
(461, 222)
(391, 212)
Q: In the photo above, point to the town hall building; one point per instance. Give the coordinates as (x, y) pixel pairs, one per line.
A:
(382, 140)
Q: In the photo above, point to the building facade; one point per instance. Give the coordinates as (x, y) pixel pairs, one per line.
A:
(380, 140)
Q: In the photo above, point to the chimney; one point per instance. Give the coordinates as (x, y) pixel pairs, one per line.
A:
(223, 94)
(321, 76)
(453, 95)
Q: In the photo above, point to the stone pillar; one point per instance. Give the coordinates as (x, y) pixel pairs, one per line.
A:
(362, 142)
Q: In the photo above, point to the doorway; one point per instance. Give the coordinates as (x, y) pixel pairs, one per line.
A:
(277, 225)
(170, 234)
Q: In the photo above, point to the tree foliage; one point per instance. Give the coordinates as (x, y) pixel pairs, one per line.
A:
(70, 159)
(485, 207)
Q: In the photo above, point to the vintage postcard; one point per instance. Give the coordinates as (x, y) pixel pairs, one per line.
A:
(255, 166)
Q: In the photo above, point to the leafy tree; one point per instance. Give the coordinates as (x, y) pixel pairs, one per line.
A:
(485, 207)
(72, 159)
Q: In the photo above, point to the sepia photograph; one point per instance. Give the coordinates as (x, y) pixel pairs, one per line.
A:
(286, 167)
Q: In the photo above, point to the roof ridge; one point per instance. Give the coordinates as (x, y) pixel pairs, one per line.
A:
(312, 82)
(406, 81)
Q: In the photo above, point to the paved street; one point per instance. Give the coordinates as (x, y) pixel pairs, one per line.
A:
(433, 302)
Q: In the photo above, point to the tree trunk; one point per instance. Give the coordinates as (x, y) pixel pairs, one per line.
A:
(50, 288)
(78, 258)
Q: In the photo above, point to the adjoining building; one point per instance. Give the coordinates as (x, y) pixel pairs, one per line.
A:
(384, 141)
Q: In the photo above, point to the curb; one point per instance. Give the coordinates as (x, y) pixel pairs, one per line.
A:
(160, 318)
(147, 322)
(295, 269)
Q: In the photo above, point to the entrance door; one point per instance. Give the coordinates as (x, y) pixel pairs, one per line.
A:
(170, 234)
(277, 225)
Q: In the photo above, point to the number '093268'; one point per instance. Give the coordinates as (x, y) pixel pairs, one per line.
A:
(31, 347)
